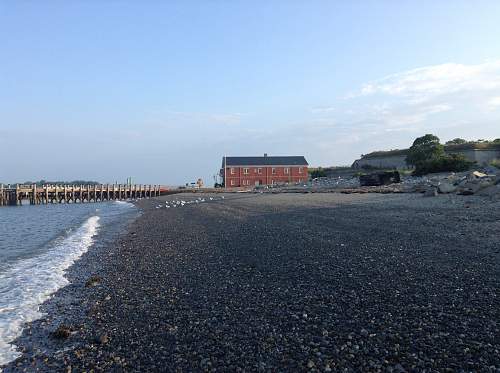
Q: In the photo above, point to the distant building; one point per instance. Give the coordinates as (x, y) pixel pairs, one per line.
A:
(266, 170)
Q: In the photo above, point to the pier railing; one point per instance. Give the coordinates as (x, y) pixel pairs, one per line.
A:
(35, 194)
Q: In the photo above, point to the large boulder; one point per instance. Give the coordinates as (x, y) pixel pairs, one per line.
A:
(474, 182)
(492, 191)
(446, 186)
(380, 178)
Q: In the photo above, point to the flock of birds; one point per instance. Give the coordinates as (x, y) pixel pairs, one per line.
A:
(181, 203)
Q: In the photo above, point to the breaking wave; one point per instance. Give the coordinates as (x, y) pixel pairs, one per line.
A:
(28, 283)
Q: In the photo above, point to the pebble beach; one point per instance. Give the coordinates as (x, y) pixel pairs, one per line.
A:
(282, 282)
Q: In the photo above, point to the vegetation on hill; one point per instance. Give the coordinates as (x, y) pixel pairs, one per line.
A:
(317, 172)
(457, 144)
(428, 155)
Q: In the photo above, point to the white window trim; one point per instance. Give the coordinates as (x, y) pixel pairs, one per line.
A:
(245, 171)
(259, 170)
(232, 182)
(287, 170)
(301, 170)
(232, 171)
(273, 170)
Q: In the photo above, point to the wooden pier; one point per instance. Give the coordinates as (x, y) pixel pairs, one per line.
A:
(36, 195)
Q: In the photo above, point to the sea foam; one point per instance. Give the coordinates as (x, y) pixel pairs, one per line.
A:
(28, 283)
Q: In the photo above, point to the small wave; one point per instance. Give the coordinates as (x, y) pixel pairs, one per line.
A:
(124, 203)
(27, 284)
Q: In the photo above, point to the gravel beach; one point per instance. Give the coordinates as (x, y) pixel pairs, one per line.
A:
(283, 282)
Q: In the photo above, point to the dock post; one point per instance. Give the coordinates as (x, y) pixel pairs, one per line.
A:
(33, 195)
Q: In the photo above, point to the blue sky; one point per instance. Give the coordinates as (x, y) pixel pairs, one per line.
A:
(160, 91)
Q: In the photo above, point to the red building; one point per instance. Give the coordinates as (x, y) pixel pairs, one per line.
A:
(252, 171)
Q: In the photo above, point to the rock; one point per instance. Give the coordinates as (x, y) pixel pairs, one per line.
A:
(380, 178)
(447, 187)
(431, 192)
(491, 170)
(62, 332)
(469, 187)
(93, 281)
(490, 191)
(103, 339)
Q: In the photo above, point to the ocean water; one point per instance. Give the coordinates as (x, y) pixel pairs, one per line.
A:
(37, 245)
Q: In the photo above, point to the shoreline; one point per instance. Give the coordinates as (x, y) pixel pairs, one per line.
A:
(62, 306)
(287, 282)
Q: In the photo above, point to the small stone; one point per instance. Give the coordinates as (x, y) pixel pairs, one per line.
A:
(62, 332)
(93, 281)
(431, 192)
(310, 364)
(103, 339)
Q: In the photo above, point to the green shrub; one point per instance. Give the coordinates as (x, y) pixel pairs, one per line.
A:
(495, 163)
(444, 163)
(317, 172)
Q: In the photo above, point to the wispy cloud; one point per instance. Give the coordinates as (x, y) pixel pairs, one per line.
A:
(450, 100)
(494, 103)
(432, 81)
(173, 118)
(322, 109)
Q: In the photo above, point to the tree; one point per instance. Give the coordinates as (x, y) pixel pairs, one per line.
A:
(424, 149)
(457, 141)
(428, 156)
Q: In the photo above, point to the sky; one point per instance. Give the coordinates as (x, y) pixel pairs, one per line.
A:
(160, 90)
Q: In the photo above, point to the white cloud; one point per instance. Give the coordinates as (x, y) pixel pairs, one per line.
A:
(322, 109)
(450, 100)
(494, 103)
(431, 81)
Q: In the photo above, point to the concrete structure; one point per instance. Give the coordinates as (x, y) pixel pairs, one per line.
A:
(482, 154)
(14, 195)
(254, 171)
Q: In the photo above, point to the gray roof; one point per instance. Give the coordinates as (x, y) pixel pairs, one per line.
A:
(265, 161)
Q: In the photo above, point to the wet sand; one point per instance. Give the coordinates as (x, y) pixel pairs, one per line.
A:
(284, 282)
